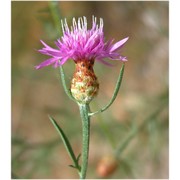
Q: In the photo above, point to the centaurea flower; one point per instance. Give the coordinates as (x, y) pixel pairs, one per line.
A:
(84, 46)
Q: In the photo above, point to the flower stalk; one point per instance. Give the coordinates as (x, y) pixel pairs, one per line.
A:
(85, 118)
(84, 109)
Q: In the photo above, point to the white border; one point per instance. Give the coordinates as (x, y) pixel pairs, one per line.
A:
(174, 90)
(5, 91)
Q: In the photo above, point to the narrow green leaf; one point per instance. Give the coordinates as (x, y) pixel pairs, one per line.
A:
(67, 91)
(72, 166)
(118, 85)
(66, 142)
(78, 157)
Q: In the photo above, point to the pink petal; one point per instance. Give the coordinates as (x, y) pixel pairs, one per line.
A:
(118, 45)
(46, 63)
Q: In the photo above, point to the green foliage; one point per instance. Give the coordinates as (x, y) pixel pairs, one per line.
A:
(67, 145)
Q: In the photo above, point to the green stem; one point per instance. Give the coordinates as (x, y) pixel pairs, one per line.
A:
(118, 85)
(84, 109)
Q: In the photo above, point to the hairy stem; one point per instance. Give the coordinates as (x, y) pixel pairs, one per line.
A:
(84, 109)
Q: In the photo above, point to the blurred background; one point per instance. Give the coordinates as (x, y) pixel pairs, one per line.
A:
(133, 131)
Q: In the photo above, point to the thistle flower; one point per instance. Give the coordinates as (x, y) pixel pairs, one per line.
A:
(84, 47)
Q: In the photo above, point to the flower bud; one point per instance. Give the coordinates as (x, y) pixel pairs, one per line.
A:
(84, 85)
(106, 166)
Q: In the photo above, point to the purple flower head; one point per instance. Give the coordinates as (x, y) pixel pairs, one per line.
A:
(80, 43)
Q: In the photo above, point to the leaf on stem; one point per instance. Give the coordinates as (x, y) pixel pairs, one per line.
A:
(78, 157)
(66, 144)
(118, 85)
(67, 91)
